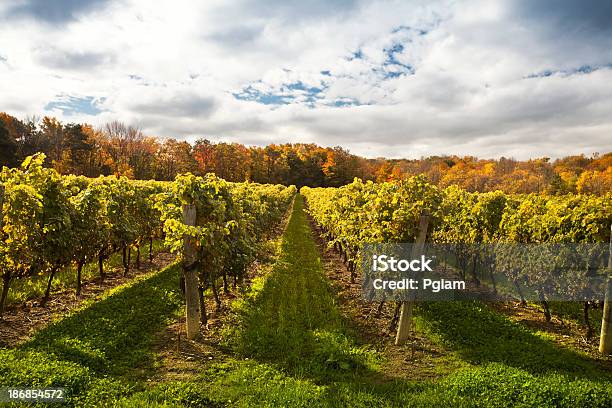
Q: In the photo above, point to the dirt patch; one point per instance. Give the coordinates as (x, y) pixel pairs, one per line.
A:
(21, 321)
(181, 359)
(418, 360)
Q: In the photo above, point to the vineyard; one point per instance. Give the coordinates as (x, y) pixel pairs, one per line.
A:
(51, 221)
(364, 213)
(388, 212)
(261, 303)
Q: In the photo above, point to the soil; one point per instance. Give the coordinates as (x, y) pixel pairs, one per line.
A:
(181, 359)
(21, 321)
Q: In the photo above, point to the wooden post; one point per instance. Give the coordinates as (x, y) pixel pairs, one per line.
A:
(405, 319)
(192, 303)
(605, 341)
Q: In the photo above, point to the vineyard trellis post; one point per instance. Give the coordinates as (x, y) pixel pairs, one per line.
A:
(605, 341)
(192, 302)
(405, 319)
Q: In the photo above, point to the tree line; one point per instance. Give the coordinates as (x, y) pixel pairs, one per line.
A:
(120, 149)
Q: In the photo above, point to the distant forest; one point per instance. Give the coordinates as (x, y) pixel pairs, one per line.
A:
(120, 149)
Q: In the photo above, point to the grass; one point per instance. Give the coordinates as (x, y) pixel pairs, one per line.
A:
(102, 350)
(290, 317)
(480, 336)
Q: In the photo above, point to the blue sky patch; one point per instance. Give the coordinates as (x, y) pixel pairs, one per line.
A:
(586, 69)
(582, 70)
(356, 55)
(394, 65)
(293, 92)
(405, 28)
(71, 105)
(346, 102)
(249, 93)
(394, 68)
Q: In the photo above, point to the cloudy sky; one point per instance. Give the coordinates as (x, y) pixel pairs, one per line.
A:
(382, 78)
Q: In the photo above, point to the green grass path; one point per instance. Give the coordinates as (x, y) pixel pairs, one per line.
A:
(290, 318)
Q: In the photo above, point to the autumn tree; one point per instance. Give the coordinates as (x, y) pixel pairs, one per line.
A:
(595, 182)
(204, 155)
(174, 157)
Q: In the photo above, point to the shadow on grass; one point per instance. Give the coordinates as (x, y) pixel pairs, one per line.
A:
(481, 336)
(300, 353)
(112, 336)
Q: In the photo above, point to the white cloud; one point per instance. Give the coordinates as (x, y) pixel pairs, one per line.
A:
(431, 77)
